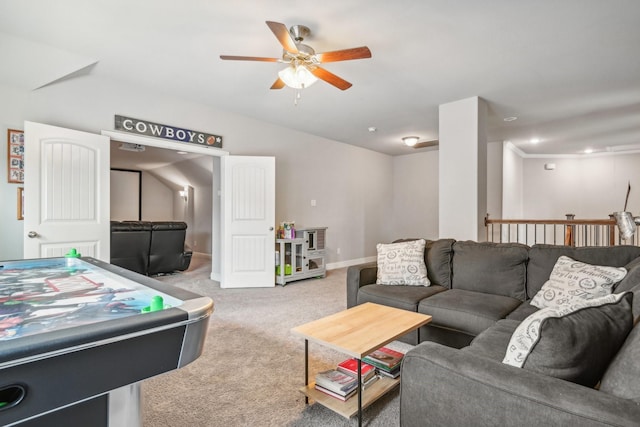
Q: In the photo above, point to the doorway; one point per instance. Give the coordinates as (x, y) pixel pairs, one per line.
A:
(175, 185)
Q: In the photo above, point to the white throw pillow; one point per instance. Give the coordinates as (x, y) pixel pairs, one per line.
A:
(402, 263)
(572, 280)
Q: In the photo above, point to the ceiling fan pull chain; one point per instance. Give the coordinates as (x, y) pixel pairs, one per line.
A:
(298, 95)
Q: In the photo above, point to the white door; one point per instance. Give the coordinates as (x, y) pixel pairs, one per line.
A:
(248, 217)
(66, 192)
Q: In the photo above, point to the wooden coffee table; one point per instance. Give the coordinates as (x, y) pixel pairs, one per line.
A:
(357, 332)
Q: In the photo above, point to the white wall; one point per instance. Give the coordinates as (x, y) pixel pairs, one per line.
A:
(463, 174)
(157, 199)
(591, 187)
(125, 195)
(494, 179)
(415, 195)
(352, 186)
(512, 184)
(11, 229)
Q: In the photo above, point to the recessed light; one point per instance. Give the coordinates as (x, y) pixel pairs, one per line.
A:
(588, 151)
(181, 152)
(372, 129)
(510, 119)
(534, 140)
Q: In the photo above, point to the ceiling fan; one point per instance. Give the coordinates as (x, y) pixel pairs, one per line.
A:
(412, 141)
(425, 144)
(304, 63)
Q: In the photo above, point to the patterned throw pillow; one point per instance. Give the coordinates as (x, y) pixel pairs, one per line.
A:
(572, 280)
(575, 342)
(402, 264)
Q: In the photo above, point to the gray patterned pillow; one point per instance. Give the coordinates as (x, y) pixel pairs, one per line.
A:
(402, 264)
(575, 342)
(572, 280)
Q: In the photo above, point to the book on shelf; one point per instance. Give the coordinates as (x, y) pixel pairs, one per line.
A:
(344, 398)
(395, 373)
(366, 384)
(336, 381)
(350, 367)
(384, 357)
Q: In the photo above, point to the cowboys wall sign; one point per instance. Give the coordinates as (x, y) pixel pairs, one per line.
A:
(143, 127)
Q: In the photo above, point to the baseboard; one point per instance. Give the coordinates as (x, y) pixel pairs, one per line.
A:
(347, 263)
(330, 266)
(202, 255)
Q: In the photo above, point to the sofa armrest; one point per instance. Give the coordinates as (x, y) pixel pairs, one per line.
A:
(357, 276)
(444, 386)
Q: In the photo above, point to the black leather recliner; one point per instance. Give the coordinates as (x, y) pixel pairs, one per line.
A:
(149, 247)
(130, 242)
(167, 251)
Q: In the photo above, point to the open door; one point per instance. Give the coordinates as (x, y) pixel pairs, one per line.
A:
(66, 193)
(248, 217)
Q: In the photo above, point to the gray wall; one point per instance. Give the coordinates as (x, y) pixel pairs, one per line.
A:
(415, 195)
(352, 186)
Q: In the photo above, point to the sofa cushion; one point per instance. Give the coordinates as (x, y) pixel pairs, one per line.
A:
(492, 342)
(401, 296)
(572, 280)
(494, 268)
(621, 377)
(523, 311)
(573, 342)
(438, 255)
(467, 311)
(402, 263)
(542, 258)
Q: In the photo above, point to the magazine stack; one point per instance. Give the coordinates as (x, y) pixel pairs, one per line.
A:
(386, 361)
(336, 384)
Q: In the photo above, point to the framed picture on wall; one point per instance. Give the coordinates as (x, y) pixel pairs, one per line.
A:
(20, 203)
(15, 155)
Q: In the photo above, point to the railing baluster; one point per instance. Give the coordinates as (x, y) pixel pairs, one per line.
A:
(598, 232)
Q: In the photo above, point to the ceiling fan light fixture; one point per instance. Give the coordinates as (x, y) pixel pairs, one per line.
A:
(410, 141)
(297, 76)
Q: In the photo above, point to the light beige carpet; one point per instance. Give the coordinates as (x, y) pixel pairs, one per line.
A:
(252, 366)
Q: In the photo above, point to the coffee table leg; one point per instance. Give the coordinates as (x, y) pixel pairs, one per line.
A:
(360, 393)
(306, 368)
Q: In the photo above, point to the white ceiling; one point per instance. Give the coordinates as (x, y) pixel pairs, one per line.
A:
(569, 70)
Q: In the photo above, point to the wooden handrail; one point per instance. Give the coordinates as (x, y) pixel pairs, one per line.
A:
(569, 224)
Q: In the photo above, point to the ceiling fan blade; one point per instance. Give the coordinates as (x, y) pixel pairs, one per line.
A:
(249, 58)
(284, 37)
(278, 84)
(425, 144)
(344, 55)
(330, 78)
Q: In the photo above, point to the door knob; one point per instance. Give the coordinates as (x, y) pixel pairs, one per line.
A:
(32, 234)
(270, 228)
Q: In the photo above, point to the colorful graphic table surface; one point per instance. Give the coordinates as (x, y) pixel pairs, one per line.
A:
(73, 329)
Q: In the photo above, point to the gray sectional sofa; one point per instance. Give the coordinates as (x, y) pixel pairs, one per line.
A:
(479, 294)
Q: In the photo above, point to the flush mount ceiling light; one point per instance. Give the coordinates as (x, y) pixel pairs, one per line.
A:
(410, 141)
(534, 140)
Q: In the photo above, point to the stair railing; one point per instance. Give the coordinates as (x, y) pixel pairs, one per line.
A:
(569, 231)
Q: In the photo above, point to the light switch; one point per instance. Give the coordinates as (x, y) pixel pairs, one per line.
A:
(313, 202)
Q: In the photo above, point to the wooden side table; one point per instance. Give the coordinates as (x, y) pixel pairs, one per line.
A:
(357, 332)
